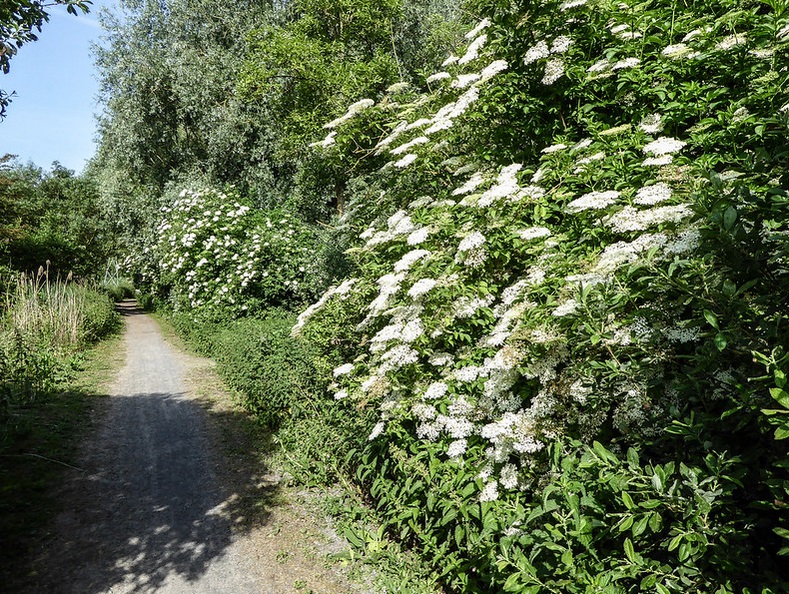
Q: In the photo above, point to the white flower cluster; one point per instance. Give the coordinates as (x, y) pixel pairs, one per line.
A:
(447, 279)
(353, 109)
(213, 251)
(593, 201)
(632, 219)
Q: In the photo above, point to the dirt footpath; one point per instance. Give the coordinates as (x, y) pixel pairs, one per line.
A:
(152, 510)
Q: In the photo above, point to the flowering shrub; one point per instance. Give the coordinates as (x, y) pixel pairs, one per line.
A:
(609, 286)
(214, 253)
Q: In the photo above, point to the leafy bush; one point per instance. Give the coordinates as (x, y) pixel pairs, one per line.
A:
(577, 263)
(214, 253)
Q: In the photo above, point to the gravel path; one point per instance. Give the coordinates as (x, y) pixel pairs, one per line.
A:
(147, 513)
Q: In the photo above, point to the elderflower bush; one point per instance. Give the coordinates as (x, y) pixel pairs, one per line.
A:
(215, 253)
(606, 279)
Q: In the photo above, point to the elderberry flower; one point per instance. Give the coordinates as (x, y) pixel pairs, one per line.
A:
(421, 287)
(408, 145)
(533, 233)
(473, 182)
(731, 41)
(654, 194)
(441, 359)
(343, 369)
(468, 373)
(615, 130)
(405, 161)
(657, 161)
(631, 219)
(684, 242)
(352, 111)
(536, 52)
(566, 308)
(677, 50)
(473, 240)
(554, 70)
(561, 44)
(464, 80)
(681, 334)
(435, 390)
(583, 144)
(397, 357)
(599, 66)
(483, 24)
(418, 236)
(626, 63)
(507, 185)
(490, 492)
(473, 50)
(493, 69)
(652, 124)
(437, 76)
(377, 430)
(692, 35)
(423, 412)
(571, 4)
(555, 148)
(508, 476)
(402, 126)
(663, 146)
(457, 448)
(593, 201)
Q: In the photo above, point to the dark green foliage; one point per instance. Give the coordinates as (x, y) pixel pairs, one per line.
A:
(52, 217)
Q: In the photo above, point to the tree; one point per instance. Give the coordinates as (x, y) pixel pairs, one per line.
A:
(19, 20)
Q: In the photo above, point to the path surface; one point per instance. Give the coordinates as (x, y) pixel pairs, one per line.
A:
(148, 514)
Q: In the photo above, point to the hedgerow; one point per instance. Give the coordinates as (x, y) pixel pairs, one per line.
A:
(569, 304)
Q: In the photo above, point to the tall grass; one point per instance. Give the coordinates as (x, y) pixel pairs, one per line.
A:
(45, 323)
(61, 315)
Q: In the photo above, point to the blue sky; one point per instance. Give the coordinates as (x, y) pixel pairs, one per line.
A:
(52, 116)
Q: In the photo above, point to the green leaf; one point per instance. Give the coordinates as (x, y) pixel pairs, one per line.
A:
(640, 526)
(720, 341)
(632, 457)
(675, 542)
(626, 523)
(628, 501)
(781, 396)
(782, 532)
(662, 589)
(729, 216)
(655, 521)
(567, 558)
(782, 432)
(711, 318)
(630, 552)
